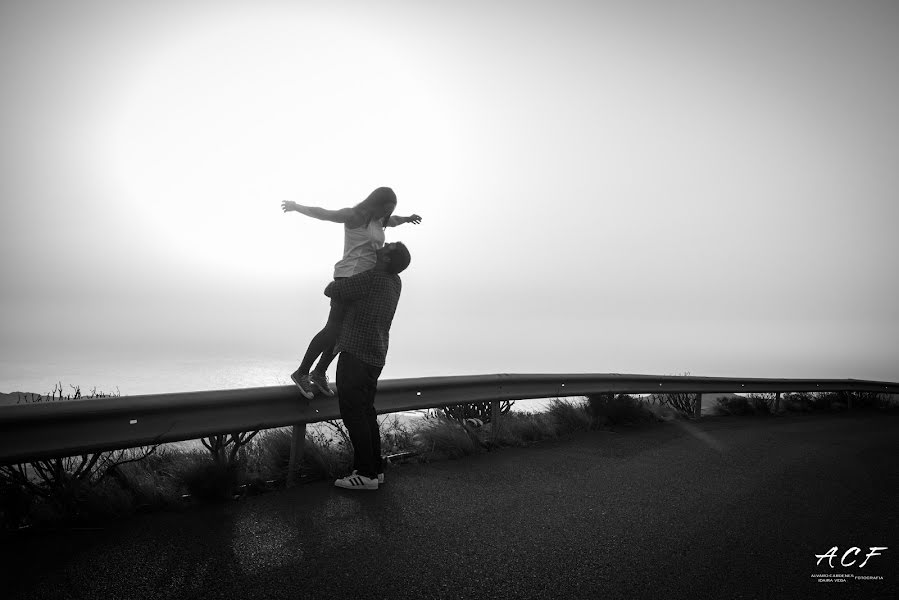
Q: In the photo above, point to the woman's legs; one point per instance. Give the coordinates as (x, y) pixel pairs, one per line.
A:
(323, 342)
(327, 355)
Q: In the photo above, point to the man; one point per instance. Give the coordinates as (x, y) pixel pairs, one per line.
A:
(362, 346)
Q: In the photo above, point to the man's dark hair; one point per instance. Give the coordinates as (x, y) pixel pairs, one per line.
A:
(399, 259)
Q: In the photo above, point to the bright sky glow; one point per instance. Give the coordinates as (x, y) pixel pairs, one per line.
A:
(605, 187)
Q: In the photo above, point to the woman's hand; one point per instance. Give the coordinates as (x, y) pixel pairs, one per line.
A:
(413, 219)
(288, 205)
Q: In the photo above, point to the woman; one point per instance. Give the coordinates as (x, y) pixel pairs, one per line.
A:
(363, 234)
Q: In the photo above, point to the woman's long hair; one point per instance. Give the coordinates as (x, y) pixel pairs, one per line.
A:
(375, 200)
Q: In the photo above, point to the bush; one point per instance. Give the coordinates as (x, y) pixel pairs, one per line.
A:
(872, 400)
(482, 411)
(208, 480)
(267, 457)
(104, 500)
(617, 409)
(327, 454)
(226, 448)
(735, 405)
(806, 401)
(67, 489)
(76, 502)
(324, 459)
(569, 417)
(797, 402)
(15, 506)
(151, 481)
(683, 402)
(71, 488)
(827, 401)
(762, 403)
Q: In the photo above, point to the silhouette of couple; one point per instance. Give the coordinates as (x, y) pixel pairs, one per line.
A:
(364, 296)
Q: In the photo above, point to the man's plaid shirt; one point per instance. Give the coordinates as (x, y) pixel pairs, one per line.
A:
(365, 332)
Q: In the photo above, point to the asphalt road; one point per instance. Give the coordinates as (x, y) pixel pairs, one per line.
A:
(726, 508)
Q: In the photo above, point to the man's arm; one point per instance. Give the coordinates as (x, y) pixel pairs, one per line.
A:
(351, 288)
(393, 221)
(323, 214)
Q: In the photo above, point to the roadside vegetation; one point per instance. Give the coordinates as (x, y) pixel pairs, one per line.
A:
(767, 404)
(95, 488)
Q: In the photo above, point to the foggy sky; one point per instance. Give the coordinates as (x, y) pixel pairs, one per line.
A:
(605, 186)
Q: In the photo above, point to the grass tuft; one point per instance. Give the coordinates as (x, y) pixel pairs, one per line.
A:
(522, 428)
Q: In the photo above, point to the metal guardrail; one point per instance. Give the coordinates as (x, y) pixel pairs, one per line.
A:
(51, 429)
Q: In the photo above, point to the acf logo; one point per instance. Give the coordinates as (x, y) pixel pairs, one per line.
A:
(854, 552)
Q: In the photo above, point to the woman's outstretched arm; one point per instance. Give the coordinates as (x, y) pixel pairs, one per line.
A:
(343, 215)
(394, 220)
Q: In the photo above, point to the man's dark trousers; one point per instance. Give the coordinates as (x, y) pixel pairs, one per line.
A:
(357, 384)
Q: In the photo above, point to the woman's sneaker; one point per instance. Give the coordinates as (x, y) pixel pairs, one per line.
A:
(320, 380)
(354, 481)
(380, 478)
(304, 384)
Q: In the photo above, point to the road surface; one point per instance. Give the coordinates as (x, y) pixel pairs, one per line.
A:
(733, 507)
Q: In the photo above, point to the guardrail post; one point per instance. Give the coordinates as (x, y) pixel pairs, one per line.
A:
(697, 406)
(495, 418)
(776, 407)
(297, 446)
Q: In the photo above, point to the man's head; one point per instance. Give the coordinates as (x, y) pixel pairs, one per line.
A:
(393, 258)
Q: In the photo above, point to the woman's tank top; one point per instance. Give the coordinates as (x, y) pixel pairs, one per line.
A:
(359, 246)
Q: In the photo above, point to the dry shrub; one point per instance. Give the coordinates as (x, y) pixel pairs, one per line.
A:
(396, 435)
(482, 411)
(441, 437)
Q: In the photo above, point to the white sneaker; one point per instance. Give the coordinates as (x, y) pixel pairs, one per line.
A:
(380, 476)
(354, 481)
